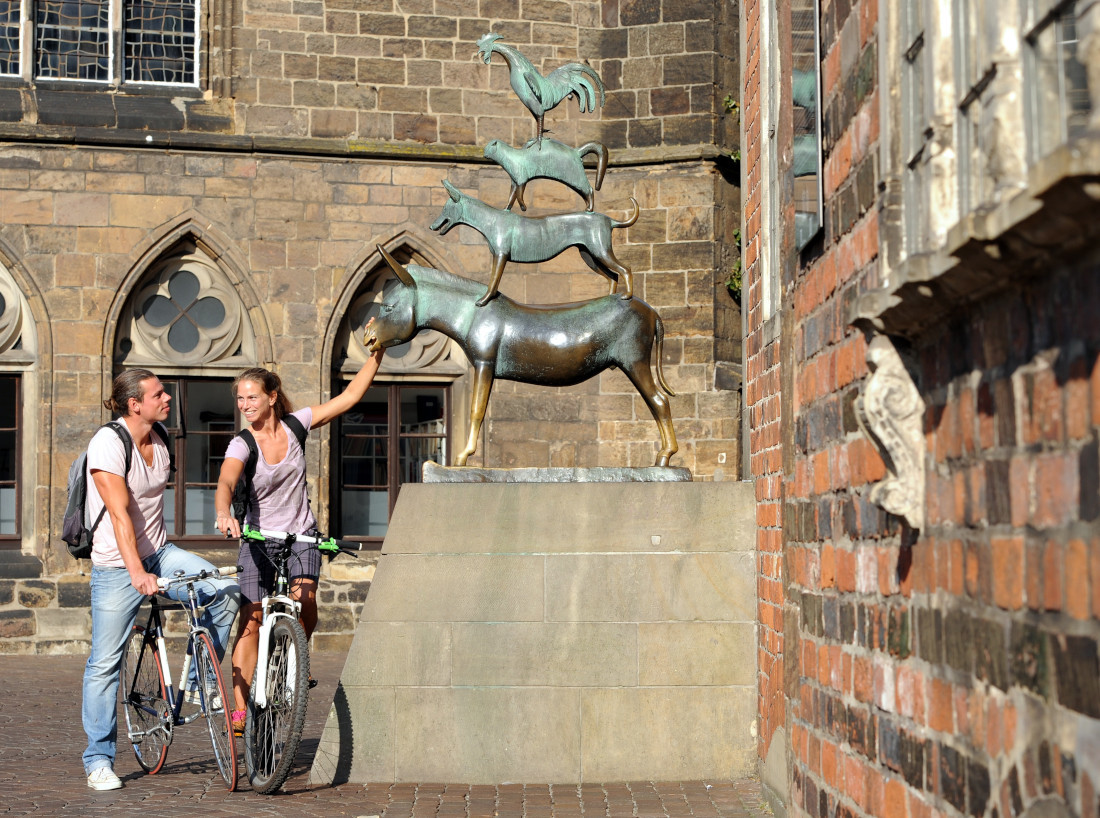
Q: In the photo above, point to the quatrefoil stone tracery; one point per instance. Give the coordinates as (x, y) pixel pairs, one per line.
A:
(185, 314)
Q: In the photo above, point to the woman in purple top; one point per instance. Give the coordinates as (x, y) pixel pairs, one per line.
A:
(278, 503)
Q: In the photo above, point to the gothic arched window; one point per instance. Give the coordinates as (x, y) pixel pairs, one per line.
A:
(186, 322)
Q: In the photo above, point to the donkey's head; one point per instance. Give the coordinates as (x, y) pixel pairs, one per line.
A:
(396, 320)
(454, 210)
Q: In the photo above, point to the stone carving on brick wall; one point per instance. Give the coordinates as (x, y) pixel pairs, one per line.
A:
(891, 414)
(185, 313)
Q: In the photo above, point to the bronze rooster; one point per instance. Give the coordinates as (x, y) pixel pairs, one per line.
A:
(539, 93)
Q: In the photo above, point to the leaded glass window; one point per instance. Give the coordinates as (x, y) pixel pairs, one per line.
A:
(73, 39)
(159, 41)
(9, 37)
(81, 40)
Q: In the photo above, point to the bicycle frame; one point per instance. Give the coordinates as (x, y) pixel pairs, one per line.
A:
(279, 604)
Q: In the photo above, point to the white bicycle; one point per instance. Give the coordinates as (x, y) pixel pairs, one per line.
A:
(279, 695)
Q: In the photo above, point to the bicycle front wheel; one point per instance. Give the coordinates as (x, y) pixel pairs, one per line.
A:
(214, 704)
(273, 731)
(145, 701)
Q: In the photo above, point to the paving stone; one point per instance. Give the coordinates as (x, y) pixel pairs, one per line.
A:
(41, 773)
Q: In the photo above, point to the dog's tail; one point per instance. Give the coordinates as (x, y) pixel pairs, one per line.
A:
(600, 152)
(632, 219)
(660, 348)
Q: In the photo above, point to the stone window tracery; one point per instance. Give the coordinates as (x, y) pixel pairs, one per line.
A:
(185, 314)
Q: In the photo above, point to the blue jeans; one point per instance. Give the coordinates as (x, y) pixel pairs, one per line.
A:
(115, 604)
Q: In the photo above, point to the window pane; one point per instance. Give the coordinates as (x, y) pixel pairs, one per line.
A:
(170, 510)
(807, 132)
(410, 419)
(9, 456)
(364, 513)
(73, 39)
(159, 41)
(1059, 85)
(421, 411)
(172, 388)
(364, 461)
(415, 452)
(199, 505)
(9, 39)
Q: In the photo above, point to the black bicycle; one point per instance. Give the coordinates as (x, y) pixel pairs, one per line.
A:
(279, 694)
(152, 704)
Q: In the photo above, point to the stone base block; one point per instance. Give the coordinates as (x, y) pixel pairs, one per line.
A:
(527, 632)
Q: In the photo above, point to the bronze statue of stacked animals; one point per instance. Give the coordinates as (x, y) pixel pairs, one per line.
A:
(553, 344)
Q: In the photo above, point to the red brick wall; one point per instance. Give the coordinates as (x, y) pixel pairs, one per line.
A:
(953, 671)
(761, 389)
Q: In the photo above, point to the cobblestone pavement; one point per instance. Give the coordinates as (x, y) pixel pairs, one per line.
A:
(41, 740)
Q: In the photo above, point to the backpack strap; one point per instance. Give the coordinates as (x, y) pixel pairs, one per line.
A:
(300, 431)
(128, 448)
(248, 473)
(162, 433)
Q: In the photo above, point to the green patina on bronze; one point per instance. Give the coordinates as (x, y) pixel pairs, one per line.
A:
(518, 238)
(549, 345)
(540, 94)
(548, 159)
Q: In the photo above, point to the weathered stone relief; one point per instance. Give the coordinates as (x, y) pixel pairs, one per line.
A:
(891, 413)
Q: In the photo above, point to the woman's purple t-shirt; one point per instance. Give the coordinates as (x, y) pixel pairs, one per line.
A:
(279, 499)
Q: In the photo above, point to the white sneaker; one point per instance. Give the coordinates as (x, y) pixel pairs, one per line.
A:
(103, 778)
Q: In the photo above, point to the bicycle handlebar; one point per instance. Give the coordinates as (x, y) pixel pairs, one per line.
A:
(164, 583)
(330, 544)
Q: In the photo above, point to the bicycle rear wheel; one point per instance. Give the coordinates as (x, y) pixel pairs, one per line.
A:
(272, 732)
(145, 700)
(214, 704)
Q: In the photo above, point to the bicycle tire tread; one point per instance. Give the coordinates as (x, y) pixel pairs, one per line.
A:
(218, 721)
(141, 686)
(269, 759)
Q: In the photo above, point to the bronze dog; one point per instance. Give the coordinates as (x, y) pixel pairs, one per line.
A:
(518, 238)
(556, 345)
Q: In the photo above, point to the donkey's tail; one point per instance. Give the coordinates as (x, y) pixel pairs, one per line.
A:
(600, 152)
(660, 349)
(632, 219)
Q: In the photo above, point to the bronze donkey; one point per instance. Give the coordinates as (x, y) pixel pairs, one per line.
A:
(553, 345)
(518, 238)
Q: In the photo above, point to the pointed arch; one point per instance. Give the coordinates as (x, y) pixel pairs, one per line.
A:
(364, 273)
(191, 231)
(26, 353)
(39, 324)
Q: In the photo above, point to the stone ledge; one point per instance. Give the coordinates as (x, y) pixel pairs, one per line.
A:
(91, 137)
(434, 473)
(994, 249)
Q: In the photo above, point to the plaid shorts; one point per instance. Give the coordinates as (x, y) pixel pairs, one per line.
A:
(258, 558)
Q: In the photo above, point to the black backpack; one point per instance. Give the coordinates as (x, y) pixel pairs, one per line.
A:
(75, 532)
(242, 493)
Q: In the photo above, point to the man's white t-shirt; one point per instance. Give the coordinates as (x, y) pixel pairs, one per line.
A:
(146, 483)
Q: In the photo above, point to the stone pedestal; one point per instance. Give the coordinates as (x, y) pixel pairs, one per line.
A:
(553, 632)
